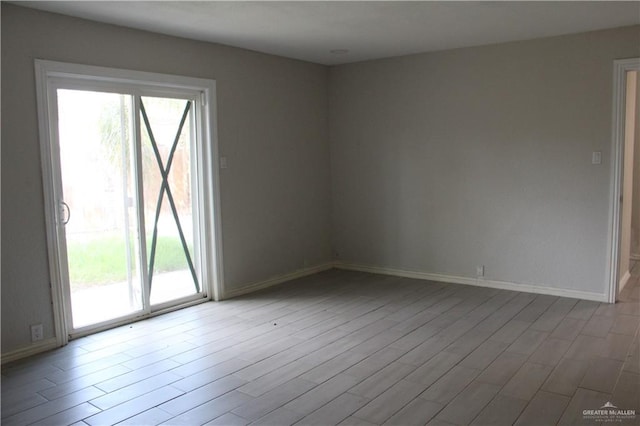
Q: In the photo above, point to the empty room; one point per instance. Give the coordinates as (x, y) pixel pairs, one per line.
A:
(327, 213)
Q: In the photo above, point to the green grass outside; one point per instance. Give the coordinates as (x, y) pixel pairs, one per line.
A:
(104, 260)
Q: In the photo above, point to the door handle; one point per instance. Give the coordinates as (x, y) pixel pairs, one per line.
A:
(64, 206)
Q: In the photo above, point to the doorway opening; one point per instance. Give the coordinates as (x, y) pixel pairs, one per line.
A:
(625, 207)
(131, 188)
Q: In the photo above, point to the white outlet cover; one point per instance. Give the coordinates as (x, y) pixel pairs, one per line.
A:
(596, 157)
(37, 332)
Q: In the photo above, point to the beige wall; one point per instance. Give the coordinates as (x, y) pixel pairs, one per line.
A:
(479, 156)
(272, 115)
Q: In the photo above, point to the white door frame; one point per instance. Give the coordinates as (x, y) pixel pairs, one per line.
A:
(46, 73)
(620, 68)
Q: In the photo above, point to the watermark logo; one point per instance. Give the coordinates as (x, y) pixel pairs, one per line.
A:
(609, 413)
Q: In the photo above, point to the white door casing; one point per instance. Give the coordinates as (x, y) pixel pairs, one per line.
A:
(620, 69)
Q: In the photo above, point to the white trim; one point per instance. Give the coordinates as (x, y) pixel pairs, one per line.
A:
(620, 67)
(50, 205)
(33, 349)
(634, 256)
(503, 285)
(211, 182)
(123, 77)
(259, 285)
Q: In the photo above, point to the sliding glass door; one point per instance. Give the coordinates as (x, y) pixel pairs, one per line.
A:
(129, 189)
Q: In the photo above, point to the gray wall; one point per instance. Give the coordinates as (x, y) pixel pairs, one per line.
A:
(272, 127)
(479, 156)
(439, 162)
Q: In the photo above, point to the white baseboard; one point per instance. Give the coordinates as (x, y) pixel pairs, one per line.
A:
(503, 285)
(33, 349)
(249, 288)
(623, 281)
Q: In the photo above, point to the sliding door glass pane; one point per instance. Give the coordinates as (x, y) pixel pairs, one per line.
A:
(168, 179)
(98, 187)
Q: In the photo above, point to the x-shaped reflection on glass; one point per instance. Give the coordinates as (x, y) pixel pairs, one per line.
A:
(164, 188)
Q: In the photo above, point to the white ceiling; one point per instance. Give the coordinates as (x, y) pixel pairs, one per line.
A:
(369, 30)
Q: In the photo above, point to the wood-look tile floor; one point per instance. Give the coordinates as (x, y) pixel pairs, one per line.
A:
(344, 348)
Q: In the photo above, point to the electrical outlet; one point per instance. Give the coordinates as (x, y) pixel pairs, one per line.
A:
(480, 271)
(36, 332)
